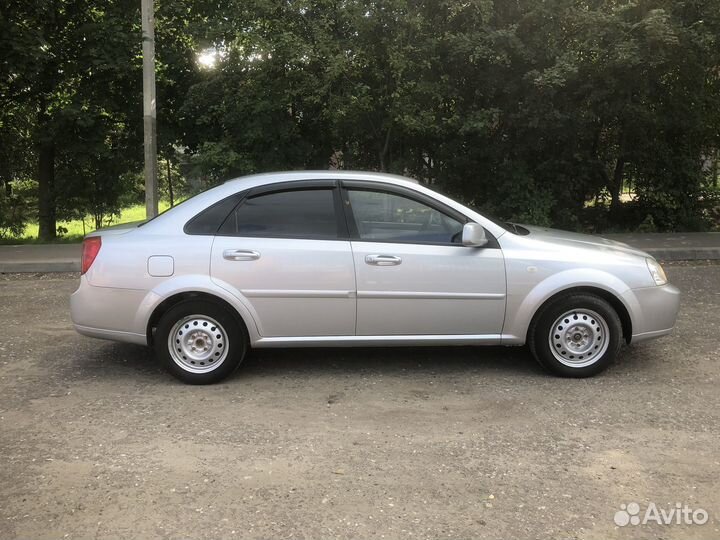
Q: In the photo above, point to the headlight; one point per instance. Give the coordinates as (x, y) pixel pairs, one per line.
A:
(656, 271)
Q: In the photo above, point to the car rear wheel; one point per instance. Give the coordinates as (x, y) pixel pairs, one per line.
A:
(577, 335)
(200, 342)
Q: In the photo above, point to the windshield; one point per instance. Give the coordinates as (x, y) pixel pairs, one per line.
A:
(510, 227)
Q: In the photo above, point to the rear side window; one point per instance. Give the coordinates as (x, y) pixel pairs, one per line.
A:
(209, 220)
(302, 213)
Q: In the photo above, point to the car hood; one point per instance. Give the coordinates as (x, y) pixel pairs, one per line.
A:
(565, 239)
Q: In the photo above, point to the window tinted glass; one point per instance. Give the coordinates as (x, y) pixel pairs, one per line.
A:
(393, 218)
(209, 220)
(308, 213)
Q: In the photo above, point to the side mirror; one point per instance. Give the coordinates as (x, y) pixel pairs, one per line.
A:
(473, 235)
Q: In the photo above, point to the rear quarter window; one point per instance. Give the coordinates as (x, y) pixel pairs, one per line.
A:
(208, 221)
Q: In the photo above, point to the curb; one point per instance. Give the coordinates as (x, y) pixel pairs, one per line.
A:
(42, 267)
(685, 254)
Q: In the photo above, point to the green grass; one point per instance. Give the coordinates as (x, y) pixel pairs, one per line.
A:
(75, 228)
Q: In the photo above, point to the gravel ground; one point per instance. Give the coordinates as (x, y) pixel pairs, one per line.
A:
(97, 442)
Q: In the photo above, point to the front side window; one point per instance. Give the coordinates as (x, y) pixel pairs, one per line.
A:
(302, 213)
(388, 217)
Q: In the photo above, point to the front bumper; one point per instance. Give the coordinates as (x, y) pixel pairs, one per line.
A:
(655, 312)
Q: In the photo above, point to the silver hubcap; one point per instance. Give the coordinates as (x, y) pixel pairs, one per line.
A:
(579, 338)
(198, 344)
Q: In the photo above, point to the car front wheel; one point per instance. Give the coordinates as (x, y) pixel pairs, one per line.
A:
(199, 342)
(577, 335)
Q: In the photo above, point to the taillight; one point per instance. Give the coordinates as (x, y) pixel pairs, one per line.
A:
(90, 249)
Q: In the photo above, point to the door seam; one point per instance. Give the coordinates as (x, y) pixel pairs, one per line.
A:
(352, 256)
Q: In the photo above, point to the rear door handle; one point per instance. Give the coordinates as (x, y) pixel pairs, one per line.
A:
(383, 260)
(241, 255)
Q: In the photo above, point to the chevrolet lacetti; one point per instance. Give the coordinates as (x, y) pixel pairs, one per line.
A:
(330, 258)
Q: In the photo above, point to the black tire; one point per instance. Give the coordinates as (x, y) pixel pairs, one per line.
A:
(585, 349)
(230, 349)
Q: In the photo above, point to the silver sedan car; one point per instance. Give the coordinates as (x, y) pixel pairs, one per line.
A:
(330, 258)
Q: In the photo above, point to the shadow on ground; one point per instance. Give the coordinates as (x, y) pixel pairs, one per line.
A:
(120, 360)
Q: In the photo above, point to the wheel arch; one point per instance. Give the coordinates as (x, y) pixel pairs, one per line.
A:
(176, 298)
(614, 301)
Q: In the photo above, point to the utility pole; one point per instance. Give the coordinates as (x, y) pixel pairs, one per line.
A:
(149, 109)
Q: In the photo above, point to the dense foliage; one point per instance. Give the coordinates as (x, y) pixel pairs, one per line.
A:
(540, 111)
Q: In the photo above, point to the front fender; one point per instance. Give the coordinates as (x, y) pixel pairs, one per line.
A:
(523, 304)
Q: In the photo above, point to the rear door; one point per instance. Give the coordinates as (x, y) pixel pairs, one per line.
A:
(413, 274)
(285, 249)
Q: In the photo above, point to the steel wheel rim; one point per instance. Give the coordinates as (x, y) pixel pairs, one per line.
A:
(198, 343)
(579, 338)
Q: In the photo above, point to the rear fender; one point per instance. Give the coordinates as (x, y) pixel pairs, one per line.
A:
(197, 283)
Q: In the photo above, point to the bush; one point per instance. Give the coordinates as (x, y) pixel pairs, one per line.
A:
(647, 225)
(17, 208)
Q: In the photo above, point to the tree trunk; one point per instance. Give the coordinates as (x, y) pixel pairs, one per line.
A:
(617, 183)
(6, 177)
(385, 151)
(170, 188)
(46, 192)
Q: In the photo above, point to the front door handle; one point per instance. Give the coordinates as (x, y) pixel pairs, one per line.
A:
(241, 255)
(383, 260)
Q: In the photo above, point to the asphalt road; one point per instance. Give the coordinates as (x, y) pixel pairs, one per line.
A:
(97, 442)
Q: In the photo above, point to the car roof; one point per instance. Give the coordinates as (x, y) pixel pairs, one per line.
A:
(180, 214)
(289, 176)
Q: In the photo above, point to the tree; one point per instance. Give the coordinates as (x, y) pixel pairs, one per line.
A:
(534, 110)
(69, 64)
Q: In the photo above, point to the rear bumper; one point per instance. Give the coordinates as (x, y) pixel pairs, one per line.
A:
(656, 312)
(113, 335)
(108, 313)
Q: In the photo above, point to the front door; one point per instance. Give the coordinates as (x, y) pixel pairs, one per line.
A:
(281, 250)
(414, 277)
